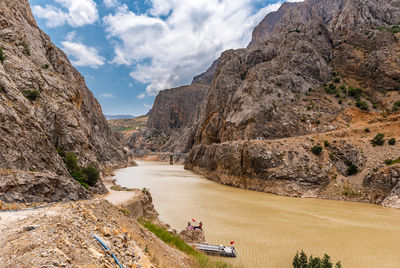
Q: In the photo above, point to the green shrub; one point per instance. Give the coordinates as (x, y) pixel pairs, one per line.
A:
(301, 261)
(395, 29)
(390, 162)
(60, 151)
(84, 184)
(362, 105)
(71, 161)
(349, 192)
(336, 80)
(87, 176)
(378, 140)
(355, 92)
(92, 175)
(396, 106)
(46, 66)
(392, 141)
(126, 212)
(367, 130)
(2, 56)
(27, 50)
(331, 89)
(317, 150)
(326, 143)
(294, 31)
(340, 101)
(352, 170)
(31, 94)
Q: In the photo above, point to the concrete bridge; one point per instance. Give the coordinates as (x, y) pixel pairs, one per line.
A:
(171, 156)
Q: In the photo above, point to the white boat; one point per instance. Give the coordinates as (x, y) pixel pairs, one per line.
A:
(220, 250)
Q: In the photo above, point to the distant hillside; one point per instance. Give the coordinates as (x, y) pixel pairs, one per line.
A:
(128, 126)
(119, 116)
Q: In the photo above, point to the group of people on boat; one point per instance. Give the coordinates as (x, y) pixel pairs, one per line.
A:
(191, 227)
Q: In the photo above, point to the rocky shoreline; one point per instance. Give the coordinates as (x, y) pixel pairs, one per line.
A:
(60, 234)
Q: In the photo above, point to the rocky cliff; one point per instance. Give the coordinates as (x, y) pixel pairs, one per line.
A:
(313, 70)
(44, 105)
(170, 121)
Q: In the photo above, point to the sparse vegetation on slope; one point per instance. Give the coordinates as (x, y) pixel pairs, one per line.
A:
(86, 176)
(176, 241)
(2, 56)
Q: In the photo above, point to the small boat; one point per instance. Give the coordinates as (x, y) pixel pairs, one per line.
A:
(220, 250)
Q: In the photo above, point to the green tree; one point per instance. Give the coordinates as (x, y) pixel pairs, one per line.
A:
(296, 261)
(338, 265)
(317, 150)
(326, 262)
(303, 260)
(92, 175)
(392, 141)
(314, 262)
(352, 170)
(378, 140)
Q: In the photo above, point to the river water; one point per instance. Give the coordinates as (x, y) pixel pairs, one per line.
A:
(269, 229)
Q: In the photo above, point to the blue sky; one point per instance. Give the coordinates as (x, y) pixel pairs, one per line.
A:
(129, 50)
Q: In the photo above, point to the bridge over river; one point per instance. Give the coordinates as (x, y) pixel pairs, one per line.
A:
(171, 155)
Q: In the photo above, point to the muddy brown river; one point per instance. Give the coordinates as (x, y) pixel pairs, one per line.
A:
(269, 229)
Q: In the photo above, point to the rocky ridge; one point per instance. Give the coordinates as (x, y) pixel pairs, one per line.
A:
(44, 105)
(296, 86)
(169, 123)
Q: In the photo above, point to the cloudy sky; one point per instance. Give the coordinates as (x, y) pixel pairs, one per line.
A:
(129, 50)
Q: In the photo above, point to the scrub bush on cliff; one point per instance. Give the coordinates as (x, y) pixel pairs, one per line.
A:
(87, 176)
(92, 175)
(2, 56)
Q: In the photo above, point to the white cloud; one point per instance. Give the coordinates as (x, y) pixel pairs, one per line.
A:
(130, 85)
(54, 16)
(141, 96)
(81, 54)
(71, 36)
(107, 96)
(111, 3)
(75, 12)
(168, 52)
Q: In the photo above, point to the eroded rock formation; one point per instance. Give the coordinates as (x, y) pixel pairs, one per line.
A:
(297, 84)
(44, 104)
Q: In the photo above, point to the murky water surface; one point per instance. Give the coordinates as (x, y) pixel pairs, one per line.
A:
(269, 229)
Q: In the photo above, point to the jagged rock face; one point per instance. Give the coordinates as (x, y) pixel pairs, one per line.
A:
(266, 27)
(65, 113)
(170, 120)
(174, 108)
(260, 166)
(263, 91)
(383, 186)
(259, 91)
(206, 77)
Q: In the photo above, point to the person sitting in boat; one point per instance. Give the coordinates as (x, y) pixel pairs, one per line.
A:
(199, 227)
